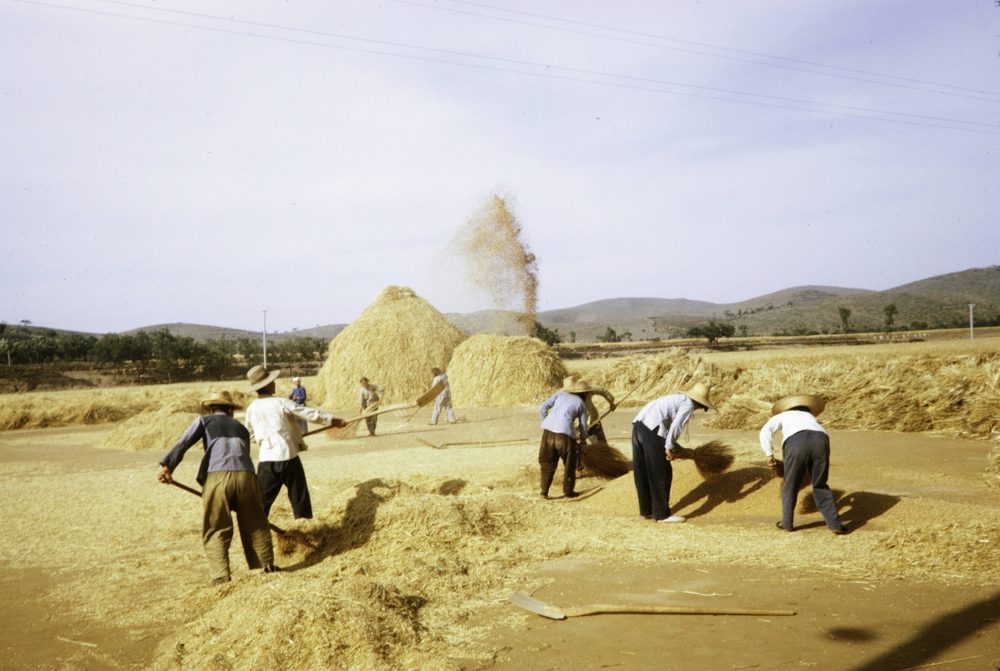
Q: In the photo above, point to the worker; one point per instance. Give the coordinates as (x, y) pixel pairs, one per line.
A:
(655, 431)
(564, 430)
(805, 446)
(271, 421)
(228, 486)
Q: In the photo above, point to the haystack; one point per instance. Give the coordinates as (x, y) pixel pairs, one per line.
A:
(394, 342)
(156, 429)
(491, 371)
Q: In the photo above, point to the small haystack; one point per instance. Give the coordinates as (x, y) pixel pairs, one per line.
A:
(394, 342)
(157, 429)
(491, 371)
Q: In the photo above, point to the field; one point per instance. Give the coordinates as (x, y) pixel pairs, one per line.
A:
(422, 533)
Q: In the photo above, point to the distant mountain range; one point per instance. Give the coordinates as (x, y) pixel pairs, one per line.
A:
(938, 301)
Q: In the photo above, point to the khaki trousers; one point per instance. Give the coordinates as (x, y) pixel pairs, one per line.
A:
(225, 493)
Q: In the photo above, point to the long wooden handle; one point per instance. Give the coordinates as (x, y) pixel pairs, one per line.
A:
(366, 415)
(669, 610)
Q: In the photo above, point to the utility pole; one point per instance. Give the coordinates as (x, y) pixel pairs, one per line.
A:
(265, 338)
(971, 305)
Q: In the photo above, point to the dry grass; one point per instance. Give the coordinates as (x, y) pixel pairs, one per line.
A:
(489, 371)
(413, 556)
(394, 342)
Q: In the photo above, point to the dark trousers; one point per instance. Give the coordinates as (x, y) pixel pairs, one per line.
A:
(808, 450)
(556, 446)
(652, 472)
(371, 423)
(273, 474)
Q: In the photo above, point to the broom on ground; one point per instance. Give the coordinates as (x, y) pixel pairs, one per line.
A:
(711, 459)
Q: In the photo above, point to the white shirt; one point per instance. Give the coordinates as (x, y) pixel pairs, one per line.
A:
(270, 421)
(667, 415)
(789, 423)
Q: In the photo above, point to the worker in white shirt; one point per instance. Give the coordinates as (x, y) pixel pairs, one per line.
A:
(655, 431)
(805, 445)
(272, 423)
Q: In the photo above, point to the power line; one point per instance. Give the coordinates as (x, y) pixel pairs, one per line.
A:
(708, 93)
(710, 46)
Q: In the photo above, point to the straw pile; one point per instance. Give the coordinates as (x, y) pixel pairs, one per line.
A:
(647, 377)
(156, 429)
(492, 371)
(394, 342)
(393, 578)
(953, 394)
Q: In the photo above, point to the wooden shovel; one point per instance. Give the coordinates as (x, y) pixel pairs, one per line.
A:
(545, 610)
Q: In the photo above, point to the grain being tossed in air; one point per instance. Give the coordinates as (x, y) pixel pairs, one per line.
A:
(394, 342)
(498, 262)
(490, 371)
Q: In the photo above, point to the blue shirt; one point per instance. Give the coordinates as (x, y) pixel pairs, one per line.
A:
(226, 443)
(559, 410)
(299, 395)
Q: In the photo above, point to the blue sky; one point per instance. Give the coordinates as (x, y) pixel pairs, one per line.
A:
(206, 161)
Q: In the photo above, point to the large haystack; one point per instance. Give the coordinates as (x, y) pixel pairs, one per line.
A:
(491, 371)
(394, 342)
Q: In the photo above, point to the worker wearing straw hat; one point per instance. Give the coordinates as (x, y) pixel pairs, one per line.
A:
(559, 413)
(655, 431)
(228, 485)
(272, 421)
(805, 446)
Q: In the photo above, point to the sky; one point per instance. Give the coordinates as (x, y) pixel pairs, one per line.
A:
(250, 163)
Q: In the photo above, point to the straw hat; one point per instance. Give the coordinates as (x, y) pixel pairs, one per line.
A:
(576, 385)
(814, 403)
(218, 398)
(699, 393)
(261, 377)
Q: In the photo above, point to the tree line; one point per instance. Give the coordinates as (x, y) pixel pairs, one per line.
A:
(158, 354)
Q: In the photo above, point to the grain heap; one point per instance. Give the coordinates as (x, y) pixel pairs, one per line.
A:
(491, 371)
(394, 342)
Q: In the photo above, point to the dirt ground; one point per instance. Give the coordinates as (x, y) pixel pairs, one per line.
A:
(101, 564)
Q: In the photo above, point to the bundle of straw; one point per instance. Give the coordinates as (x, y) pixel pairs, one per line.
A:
(604, 461)
(711, 459)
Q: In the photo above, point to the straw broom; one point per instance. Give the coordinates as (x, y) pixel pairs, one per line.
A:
(605, 461)
(711, 459)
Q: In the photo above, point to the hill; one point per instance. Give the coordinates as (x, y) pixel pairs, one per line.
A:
(936, 302)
